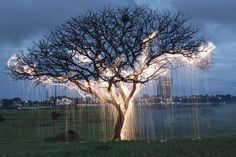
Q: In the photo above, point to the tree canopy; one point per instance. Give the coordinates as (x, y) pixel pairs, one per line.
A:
(108, 45)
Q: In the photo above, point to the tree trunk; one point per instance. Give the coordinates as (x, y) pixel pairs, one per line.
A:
(119, 124)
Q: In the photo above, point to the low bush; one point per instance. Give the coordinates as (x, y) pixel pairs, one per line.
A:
(55, 115)
(1, 118)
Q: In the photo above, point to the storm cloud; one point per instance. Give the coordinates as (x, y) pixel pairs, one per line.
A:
(24, 21)
(215, 19)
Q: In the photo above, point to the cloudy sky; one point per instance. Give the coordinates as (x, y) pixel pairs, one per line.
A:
(24, 21)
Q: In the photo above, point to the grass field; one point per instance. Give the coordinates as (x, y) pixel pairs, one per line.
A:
(38, 126)
(31, 133)
(215, 147)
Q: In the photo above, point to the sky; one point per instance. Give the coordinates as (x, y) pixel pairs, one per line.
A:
(25, 21)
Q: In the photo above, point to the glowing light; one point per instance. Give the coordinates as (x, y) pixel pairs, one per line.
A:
(158, 67)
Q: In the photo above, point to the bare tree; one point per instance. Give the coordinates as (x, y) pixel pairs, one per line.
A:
(109, 53)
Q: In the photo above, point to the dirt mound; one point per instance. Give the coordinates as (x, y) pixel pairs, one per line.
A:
(67, 137)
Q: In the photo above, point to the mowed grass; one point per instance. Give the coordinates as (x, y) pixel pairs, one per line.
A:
(207, 147)
(38, 126)
(30, 134)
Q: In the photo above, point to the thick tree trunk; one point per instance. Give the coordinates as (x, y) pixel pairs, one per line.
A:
(119, 124)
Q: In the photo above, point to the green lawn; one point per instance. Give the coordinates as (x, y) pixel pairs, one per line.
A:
(212, 147)
(31, 134)
(38, 126)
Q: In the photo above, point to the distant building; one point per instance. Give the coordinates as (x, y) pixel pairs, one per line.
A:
(64, 102)
(164, 88)
(87, 101)
(147, 100)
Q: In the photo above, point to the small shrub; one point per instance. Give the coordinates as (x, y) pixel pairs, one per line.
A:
(55, 115)
(1, 118)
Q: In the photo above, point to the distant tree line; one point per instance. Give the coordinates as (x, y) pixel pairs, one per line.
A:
(205, 99)
(15, 102)
(10, 103)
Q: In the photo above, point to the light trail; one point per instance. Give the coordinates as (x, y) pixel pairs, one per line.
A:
(161, 65)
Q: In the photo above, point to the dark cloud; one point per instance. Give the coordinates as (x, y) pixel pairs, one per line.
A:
(218, 11)
(215, 19)
(24, 19)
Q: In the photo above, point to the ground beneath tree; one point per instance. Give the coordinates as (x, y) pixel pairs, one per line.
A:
(68, 136)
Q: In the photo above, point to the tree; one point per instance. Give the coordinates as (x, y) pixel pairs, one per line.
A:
(109, 53)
